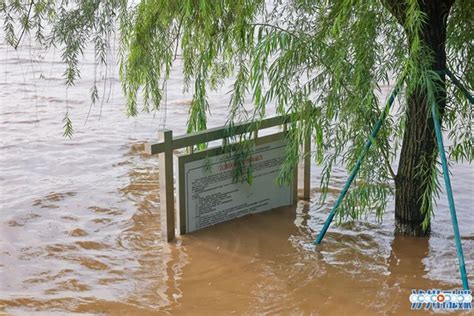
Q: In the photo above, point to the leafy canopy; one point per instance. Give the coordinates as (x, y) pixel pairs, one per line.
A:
(325, 62)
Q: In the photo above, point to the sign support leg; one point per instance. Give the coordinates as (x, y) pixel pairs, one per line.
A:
(166, 186)
(307, 168)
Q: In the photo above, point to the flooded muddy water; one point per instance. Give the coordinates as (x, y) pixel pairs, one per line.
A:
(80, 222)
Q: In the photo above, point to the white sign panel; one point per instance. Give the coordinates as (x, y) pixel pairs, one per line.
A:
(211, 195)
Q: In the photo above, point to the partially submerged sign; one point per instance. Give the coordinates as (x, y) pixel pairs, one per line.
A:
(208, 194)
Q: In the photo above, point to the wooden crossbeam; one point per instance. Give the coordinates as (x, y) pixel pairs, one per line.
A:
(216, 133)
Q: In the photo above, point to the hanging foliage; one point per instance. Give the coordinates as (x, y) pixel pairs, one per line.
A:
(326, 62)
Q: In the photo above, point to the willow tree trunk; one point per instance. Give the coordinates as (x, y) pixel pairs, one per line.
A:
(419, 149)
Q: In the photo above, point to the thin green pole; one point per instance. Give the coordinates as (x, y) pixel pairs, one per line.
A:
(460, 86)
(356, 168)
(449, 191)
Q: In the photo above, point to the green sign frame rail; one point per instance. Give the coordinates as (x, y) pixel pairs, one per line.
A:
(444, 162)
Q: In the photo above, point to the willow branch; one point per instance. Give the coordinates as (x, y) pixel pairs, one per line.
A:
(24, 28)
(389, 166)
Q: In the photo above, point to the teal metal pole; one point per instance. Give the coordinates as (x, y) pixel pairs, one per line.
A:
(460, 86)
(356, 168)
(449, 191)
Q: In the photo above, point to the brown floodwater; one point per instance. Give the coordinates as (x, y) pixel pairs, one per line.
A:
(80, 222)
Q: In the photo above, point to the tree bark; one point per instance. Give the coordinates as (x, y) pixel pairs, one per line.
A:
(419, 141)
